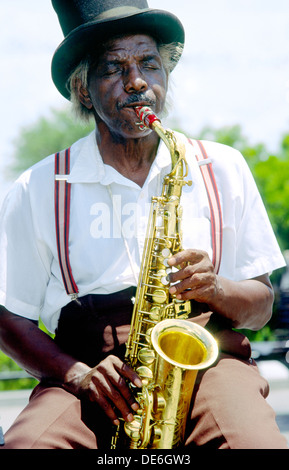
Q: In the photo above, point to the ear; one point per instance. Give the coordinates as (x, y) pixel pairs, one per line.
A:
(82, 93)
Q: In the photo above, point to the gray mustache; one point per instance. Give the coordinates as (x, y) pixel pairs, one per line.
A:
(136, 98)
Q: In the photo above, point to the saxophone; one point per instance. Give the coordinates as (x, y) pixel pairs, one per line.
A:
(163, 347)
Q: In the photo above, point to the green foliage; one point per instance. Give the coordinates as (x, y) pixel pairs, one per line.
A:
(272, 177)
(228, 135)
(271, 173)
(47, 136)
(265, 334)
(8, 365)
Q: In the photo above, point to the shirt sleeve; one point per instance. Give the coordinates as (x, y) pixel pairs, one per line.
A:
(24, 269)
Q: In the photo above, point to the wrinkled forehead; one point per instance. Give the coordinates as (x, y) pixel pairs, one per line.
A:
(129, 40)
(126, 46)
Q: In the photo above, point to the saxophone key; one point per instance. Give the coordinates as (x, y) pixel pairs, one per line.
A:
(148, 334)
(166, 253)
(165, 262)
(165, 281)
(133, 431)
(155, 314)
(146, 356)
(145, 374)
(159, 296)
(159, 401)
(157, 435)
(162, 276)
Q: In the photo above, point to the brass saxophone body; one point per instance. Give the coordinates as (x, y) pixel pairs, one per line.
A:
(163, 348)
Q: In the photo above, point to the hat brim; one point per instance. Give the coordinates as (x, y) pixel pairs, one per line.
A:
(163, 26)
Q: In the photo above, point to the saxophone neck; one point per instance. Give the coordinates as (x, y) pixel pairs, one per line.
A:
(174, 144)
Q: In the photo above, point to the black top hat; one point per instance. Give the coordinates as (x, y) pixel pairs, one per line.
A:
(87, 22)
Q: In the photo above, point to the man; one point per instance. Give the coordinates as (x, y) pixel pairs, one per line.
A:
(114, 58)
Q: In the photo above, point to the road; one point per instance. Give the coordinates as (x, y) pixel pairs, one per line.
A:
(277, 374)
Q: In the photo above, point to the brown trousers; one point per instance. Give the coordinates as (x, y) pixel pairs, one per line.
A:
(228, 409)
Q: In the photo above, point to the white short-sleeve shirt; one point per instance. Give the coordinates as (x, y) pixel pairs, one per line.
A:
(106, 207)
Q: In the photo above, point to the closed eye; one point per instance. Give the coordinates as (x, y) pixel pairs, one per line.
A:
(112, 70)
(151, 62)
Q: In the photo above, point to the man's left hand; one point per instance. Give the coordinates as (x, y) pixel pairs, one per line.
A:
(195, 279)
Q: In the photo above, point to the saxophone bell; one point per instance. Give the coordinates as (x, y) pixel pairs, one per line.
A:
(183, 348)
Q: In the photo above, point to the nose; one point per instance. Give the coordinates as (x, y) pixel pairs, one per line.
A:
(134, 81)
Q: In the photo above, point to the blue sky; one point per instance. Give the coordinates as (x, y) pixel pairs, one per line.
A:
(235, 69)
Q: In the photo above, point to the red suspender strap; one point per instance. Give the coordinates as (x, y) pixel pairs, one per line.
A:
(206, 168)
(62, 213)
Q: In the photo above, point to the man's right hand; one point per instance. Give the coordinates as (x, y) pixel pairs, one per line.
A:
(107, 385)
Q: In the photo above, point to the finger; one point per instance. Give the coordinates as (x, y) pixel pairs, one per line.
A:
(95, 395)
(183, 273)
(109, 411)
(121, 404)
(126, 392)
(119, 376)
(195, 281)
(200, 287)
(111, 399)
(181, 286)
(183, 257)
(129, 374)
(201, 265)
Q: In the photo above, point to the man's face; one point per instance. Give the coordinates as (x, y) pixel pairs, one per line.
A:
(129, 73)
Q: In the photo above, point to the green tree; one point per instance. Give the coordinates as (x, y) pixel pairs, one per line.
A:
(45, 137)
(272, 177)
(233, 136)
(271, 173)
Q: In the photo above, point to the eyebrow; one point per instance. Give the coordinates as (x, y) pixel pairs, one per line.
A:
(151, 56)
(143, 57)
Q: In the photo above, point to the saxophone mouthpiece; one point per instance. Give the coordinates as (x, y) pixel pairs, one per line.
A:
(146, 116)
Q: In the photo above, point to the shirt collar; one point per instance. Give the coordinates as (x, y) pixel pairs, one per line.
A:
(86, 162)
(87, 165)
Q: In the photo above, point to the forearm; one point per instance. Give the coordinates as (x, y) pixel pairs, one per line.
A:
(247, 304)
(34, 351)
